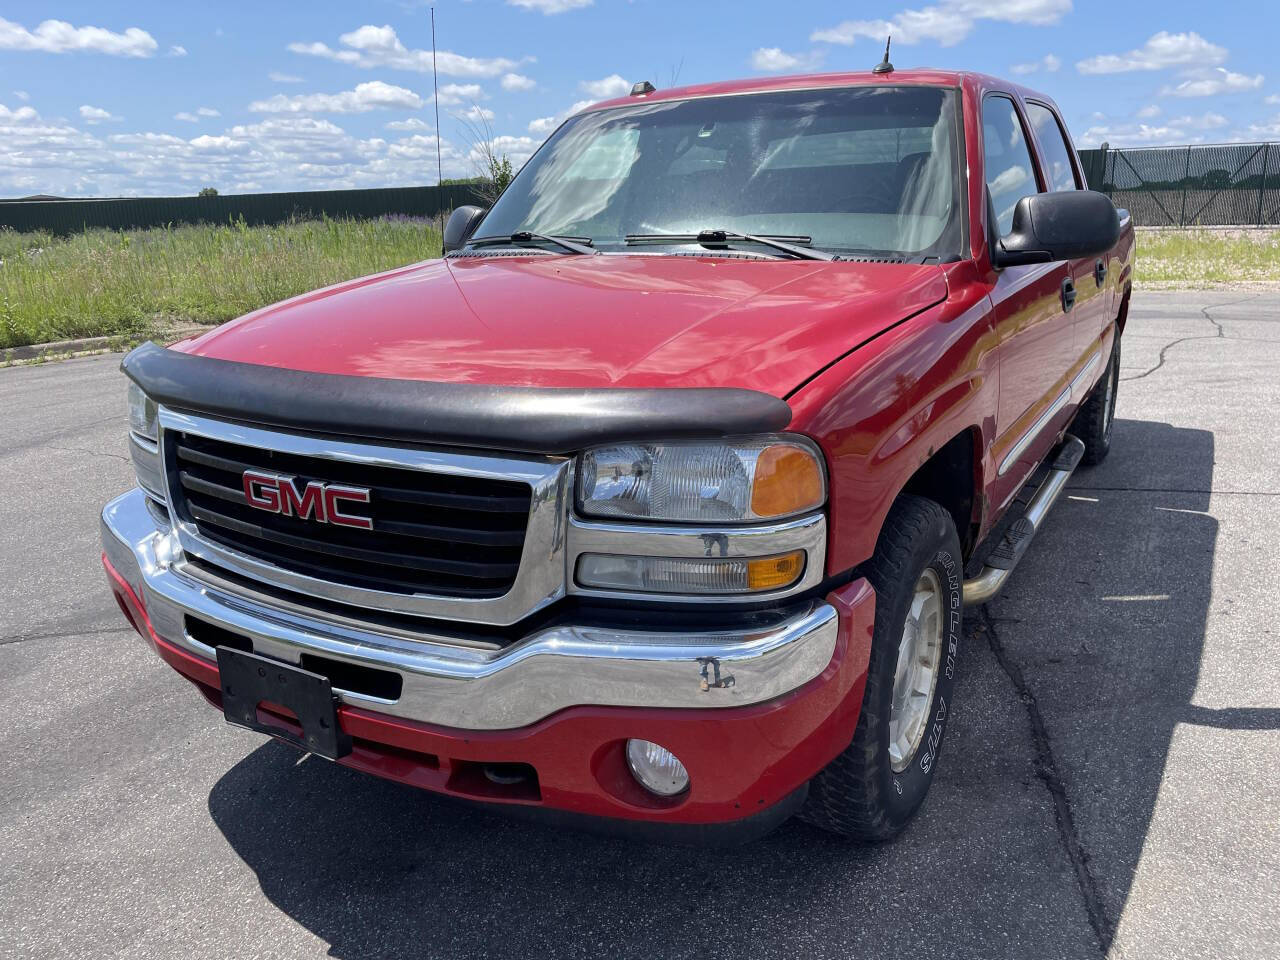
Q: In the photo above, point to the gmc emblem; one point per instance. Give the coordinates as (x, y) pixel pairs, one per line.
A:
(276, 493)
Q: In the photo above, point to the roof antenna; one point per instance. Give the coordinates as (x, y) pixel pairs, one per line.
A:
(884, 66)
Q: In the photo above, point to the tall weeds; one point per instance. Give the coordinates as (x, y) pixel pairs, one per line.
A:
(105, 282)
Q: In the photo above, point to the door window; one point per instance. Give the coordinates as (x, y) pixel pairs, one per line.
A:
(1011, 174)
(1053, 145)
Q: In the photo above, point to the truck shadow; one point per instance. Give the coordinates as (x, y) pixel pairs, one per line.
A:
(376, 869)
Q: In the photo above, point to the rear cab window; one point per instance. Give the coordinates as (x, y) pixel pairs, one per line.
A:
(1059, 170)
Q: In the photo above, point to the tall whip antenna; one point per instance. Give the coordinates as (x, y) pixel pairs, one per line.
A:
(435, 84)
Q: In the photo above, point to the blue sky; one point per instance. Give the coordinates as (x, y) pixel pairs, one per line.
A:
(159, 98)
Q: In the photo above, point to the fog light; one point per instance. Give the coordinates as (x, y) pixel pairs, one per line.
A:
(656, 768)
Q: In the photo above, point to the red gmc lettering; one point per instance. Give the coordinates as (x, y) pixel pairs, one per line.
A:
(262, 490)
(319, 501)
(334, 495)
(311, 501)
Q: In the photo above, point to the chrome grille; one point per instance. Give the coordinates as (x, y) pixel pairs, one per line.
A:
(433, 533)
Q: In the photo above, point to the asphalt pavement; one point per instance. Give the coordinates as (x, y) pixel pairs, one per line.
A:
(1109, 785)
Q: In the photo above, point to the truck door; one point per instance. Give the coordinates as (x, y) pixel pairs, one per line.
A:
(1088, 275)
(1033, 325)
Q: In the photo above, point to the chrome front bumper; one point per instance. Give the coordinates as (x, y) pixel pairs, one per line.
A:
(449, 682)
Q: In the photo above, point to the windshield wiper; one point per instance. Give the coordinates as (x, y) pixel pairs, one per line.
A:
(720, 238)
(579, 245)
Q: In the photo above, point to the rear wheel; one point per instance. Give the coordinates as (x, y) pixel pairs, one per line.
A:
(874, 787)
(1096, 416)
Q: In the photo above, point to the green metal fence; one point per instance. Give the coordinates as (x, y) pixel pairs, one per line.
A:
(71, 216)
(1233, 184)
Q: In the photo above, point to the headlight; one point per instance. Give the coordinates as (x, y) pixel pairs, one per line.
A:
(758, 479)
(144, 440)
(142, 414)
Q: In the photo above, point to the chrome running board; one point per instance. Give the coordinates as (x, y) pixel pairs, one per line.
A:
(1017, 538)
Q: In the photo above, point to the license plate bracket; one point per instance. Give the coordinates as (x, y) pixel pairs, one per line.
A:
(249, 679)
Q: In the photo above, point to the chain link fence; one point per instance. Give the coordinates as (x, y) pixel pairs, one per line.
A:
(1234, 184)
(72, 216)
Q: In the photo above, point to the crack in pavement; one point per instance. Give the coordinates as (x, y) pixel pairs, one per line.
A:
(62, 635)
(1212, 493)
(1220, 334)
(1046, 770)
(89, 453)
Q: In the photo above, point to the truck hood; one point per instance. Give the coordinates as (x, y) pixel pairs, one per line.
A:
(616, 320)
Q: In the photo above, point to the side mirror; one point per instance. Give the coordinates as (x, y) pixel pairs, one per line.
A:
(462, 224)
(1069, 225)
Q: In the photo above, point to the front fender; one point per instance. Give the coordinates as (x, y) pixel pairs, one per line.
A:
(884, 409)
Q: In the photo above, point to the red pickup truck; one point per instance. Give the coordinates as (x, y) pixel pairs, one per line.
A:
(654, 503)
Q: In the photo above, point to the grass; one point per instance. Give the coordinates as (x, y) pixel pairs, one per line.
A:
(1206, 258)
(137, 282)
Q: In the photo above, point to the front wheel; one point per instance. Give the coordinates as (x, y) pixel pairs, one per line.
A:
(874, 787)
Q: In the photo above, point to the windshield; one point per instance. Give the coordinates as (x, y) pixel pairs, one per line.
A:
(856, 171)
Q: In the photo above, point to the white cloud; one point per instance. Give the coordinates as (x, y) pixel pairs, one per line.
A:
(1140, 134)
(946, 23)
(277, 153)
(1161, 50)
(21, 115)
(187, 116)
(774, 59)
(374, 95)
(413, 123)
(1272, 100)
(1149, 111)
(58, 36)
(22, 95)
(550, 7)
(1048, 63)
(275, 76)
(1206, 121)
(477, 114)
(1211, 83)
(606, 88)
(452, 94)
(516, 81)
(516, 149)
(1263, 131)
(1175, 130)
(371, 46)
(96, 115)
(224, 144)
(177, 50)
(544, 125)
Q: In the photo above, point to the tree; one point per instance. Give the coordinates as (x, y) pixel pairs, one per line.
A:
(208, 192)
(494, 169)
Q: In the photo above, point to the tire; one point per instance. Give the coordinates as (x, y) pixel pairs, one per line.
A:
(1096, 416)
(860, 794)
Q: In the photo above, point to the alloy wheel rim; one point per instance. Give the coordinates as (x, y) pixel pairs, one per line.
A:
(916, 674)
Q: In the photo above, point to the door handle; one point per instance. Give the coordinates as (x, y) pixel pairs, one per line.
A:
(1100, 273)
(1068, 295)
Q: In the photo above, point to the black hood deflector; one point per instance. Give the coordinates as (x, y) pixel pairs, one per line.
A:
(542, 420)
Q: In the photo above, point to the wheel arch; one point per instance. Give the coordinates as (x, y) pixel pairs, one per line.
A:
(952, 478)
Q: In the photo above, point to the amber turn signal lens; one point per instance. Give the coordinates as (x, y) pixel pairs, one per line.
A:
(771, 573)
(788, 479)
